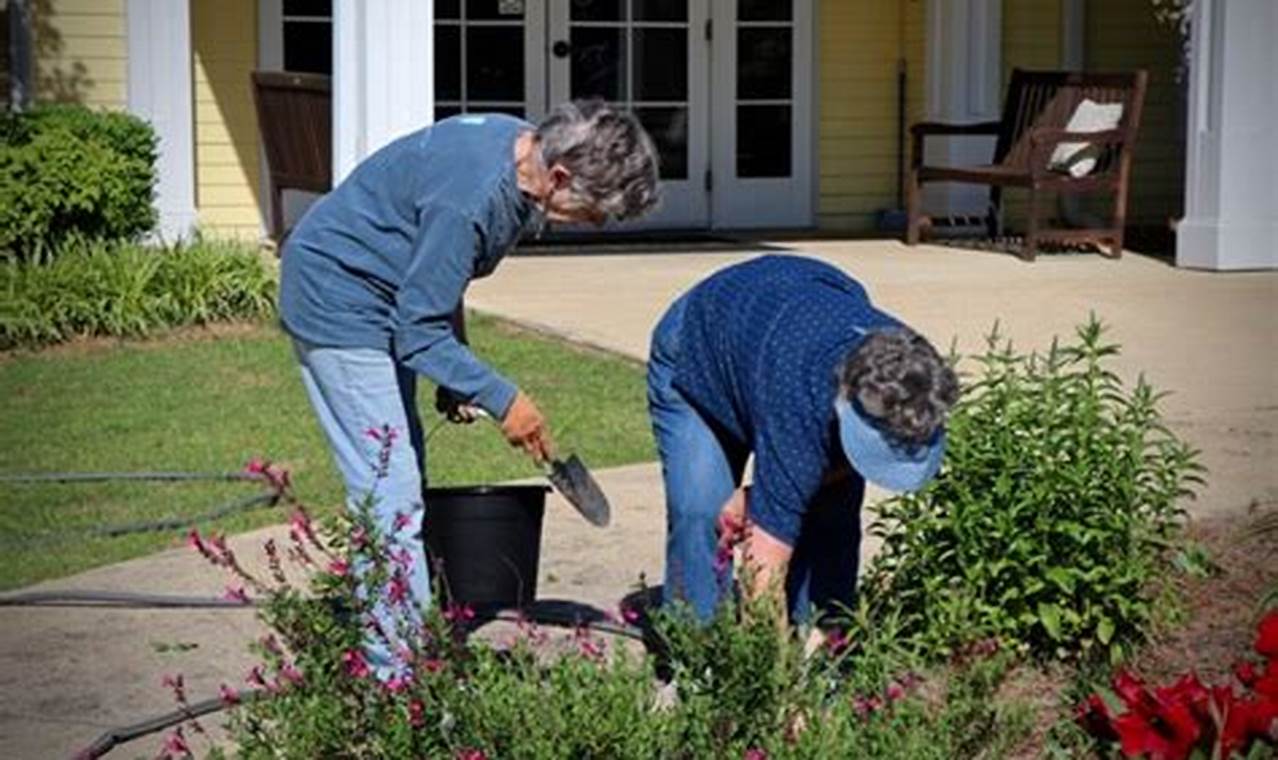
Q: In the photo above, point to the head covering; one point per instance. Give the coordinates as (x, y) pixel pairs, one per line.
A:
(882, 459)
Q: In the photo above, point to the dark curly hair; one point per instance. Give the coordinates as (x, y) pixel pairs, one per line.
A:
(897, 377)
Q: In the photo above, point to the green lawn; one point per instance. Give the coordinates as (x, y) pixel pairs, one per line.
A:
(210, 404)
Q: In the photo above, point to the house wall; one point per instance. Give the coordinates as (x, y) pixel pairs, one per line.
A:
(227, 169)
(858, 47)
(1126, 35)
(79, 51)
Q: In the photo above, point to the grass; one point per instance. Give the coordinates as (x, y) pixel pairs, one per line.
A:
(212, 404)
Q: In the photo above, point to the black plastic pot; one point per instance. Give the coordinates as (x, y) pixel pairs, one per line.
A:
(486, 541)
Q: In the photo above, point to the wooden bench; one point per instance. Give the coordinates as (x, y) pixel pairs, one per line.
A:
(1038, 107)
(295, 119)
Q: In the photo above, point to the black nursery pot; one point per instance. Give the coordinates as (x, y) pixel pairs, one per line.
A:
(486, 541)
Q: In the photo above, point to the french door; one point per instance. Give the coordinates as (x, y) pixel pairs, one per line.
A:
(650, 57)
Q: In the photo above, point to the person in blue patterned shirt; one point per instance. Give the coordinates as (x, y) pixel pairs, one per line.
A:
(786, 359)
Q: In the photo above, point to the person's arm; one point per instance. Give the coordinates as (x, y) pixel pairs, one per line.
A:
(425, 341)
(448, 403)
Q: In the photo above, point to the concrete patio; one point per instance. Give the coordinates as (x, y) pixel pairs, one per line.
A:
(66, 675)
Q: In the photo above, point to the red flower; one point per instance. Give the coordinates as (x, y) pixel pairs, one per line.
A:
(1093, 715)
(1267, 685)
(175, 745)
(1162, 725)
(1267, 635)
(470, 754)
(356, 665)
(236, 594)
(754, 753)
(1246, 673)
(459, 613)
(433, 665)
(339, 567)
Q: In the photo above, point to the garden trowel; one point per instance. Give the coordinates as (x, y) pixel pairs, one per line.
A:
(575, 483)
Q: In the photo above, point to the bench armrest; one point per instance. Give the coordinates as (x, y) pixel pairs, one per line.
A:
(1043, 142)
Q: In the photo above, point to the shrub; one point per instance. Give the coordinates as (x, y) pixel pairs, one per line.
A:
(743, 688)
(1050, 521)
(124, 289)
(66, 171)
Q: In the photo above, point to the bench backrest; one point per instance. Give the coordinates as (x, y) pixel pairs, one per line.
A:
(1048, 99)
(295, 118)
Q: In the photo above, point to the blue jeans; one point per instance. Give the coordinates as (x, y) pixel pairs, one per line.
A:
(701, 466)
(353, 391)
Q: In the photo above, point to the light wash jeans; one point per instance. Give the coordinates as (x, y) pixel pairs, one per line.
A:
(701, 466)
(353, 391)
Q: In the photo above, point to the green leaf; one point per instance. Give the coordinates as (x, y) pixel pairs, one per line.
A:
(1050, 616)
(1105, 630)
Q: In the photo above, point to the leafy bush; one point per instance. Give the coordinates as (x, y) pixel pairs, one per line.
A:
(1049, 524)
(123, 289)
(741, 688)
(66, 171)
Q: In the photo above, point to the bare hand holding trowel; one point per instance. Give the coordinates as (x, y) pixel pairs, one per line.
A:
(525, 427)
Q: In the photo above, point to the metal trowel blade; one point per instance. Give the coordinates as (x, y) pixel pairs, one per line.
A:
(571, 479)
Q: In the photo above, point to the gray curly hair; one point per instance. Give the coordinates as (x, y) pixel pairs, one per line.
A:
(612, 159)
(897, 377)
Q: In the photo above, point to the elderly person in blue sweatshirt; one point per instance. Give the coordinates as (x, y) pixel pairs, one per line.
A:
(371, 292)
(785, 358)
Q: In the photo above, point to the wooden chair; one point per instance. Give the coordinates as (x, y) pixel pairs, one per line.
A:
(295, 119)
(1038, 107)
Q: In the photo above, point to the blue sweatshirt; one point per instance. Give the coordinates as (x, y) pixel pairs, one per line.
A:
(759, 353)
(383, 260)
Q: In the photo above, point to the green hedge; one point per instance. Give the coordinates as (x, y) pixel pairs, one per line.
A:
(67, 171)
(124, 289)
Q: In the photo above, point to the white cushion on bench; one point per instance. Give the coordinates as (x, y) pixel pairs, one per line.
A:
(1079, 158)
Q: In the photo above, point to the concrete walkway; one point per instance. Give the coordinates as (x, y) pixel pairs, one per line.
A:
(66, 675)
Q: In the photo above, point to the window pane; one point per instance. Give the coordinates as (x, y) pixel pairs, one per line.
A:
(447, 8)
(308, 46)
(321, 8)
(488, 10)
(765, 10)
(495, 63)
(661, 64)
(763, 62)
(517, 111)
(763, 141)
(596, 10)
(661, 10)
(598, 63)
(669, 130)
(444, 112)
(448, 63)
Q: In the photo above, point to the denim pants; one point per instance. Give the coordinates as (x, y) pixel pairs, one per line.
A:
(355, 391)
(701, 466)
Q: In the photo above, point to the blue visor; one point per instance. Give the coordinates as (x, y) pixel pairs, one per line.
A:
(880, 459)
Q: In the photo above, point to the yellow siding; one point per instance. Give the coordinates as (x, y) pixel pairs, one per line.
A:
(859, 44)
(1031, 35)
(80, 52)
(1032, 39)
(1125, 36)
(227, 179)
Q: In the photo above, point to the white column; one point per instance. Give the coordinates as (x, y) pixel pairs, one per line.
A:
(383, 75)
(159, 68)
(1231, 185)
(964, 54)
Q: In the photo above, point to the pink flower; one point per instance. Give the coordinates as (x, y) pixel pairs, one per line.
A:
(398, 683)
(356, 665)
(271, 644)
(403, 558)
(194, 541)
(754, 753)
(175, 745)
(836, 641)
(629, 614)
(723, 559)
(470, 754)
(401, 521)
(459, 613)
(236, 594)
(256, 466)
(416, 713)
(256, 677)
(290, 673)
(339, 567)
(397, 590)
(433, 665)
(229, 695)
(894, 692)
